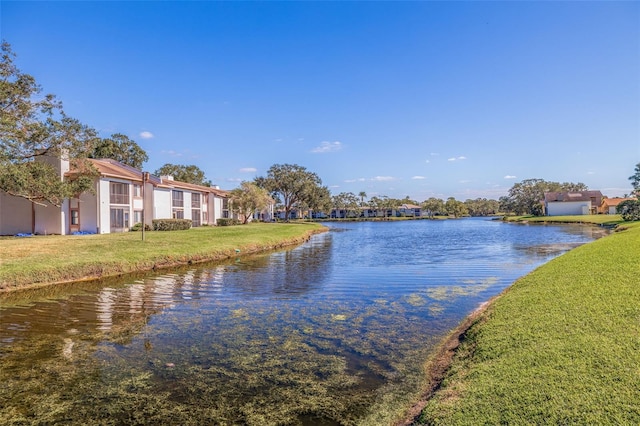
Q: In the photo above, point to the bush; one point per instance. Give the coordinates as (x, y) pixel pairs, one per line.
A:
(171, 224)
(629, 209)
(227, 222)
(138, 227)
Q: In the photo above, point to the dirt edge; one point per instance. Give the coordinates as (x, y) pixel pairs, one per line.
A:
(440, 362)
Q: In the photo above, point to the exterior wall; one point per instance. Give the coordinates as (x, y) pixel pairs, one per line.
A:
(149, 197)
(162, 203)
(50, 219)
(217, 210)
(563, 208)
(103, 207)
(88, 206)
(16, 215)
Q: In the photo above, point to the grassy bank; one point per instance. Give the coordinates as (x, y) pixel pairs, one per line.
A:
(596, 219)
(560, 346)
(40, 260)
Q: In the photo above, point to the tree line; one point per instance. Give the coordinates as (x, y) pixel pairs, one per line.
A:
(33, 126)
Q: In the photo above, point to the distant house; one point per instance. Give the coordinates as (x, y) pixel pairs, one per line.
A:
(410, 210)
(609, 205)
(572, 203)
(121, 196)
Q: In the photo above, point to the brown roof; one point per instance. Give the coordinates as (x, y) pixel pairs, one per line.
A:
(194, 187)
(112, 168)
(612, 202)
(572, 196)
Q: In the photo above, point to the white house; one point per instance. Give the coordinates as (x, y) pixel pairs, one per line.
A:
(122, 195)
(572, 203)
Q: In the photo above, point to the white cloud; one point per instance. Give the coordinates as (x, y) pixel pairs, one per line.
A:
(383, 178)
(327, 147)
(234, 180)
(172, 153)
(351, 180)
(591, 173)
(434, 154)
(510, 177)
(146, 135)
(460, 158)
(248, 170)
(418, 177)
(427, 161)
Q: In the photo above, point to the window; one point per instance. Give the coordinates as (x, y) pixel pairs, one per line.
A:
(177, 198)
(137, 216)
(119, 193)
(205, 217)
(75, 217)
(195, 201)
(119, 219)
(195, 218)
(178, 214)
(137, 190)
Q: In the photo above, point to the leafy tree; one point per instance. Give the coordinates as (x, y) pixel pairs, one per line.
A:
(33, 130)
(189, 174)
(120, 148)
(318, 200)
(433, 206)
(248, 198)
(347, 201)
(635, 181)
(290, 184)
(629, 209)
(455, 208)
(482, 207)
(362, 196)
(526, 197)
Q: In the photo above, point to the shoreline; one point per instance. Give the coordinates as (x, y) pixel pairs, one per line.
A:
(163, 262)
(439, 365)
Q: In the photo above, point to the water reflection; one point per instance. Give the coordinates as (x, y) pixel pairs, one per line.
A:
(333, 332)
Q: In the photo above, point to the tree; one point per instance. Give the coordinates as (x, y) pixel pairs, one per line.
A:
(454, 207)
(629, 209)
(362, 196)
(526, 197)
(433, 206)
(482, 207)
(120, 148)
(635, 181)
(189, 174)
(290, 184)
(319, 200)
(347, 201)
(34, 130)
(248, 198)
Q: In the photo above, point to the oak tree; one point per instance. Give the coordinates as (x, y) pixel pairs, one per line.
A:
(35, 134)
(189, 174)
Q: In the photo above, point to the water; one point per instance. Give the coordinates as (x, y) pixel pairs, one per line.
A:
(333, 332)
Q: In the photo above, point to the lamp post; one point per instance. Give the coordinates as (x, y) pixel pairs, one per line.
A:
(145, 178)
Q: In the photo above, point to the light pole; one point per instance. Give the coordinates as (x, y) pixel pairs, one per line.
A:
(145, 178)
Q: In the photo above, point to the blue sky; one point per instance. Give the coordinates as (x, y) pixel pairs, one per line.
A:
(416, 99)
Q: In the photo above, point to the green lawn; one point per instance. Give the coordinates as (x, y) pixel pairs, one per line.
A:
(561, 346)
(46, 259)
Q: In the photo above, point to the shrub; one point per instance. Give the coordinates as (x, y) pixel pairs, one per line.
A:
(138, 227)
(227, 222)
(629, 209)
(171, 224)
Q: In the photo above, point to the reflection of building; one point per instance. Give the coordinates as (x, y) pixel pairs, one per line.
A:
(121, 195)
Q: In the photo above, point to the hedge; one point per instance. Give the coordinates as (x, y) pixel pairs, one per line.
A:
(227, 222)
(171, 224)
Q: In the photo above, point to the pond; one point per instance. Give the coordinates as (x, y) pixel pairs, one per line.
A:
(333, 332)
